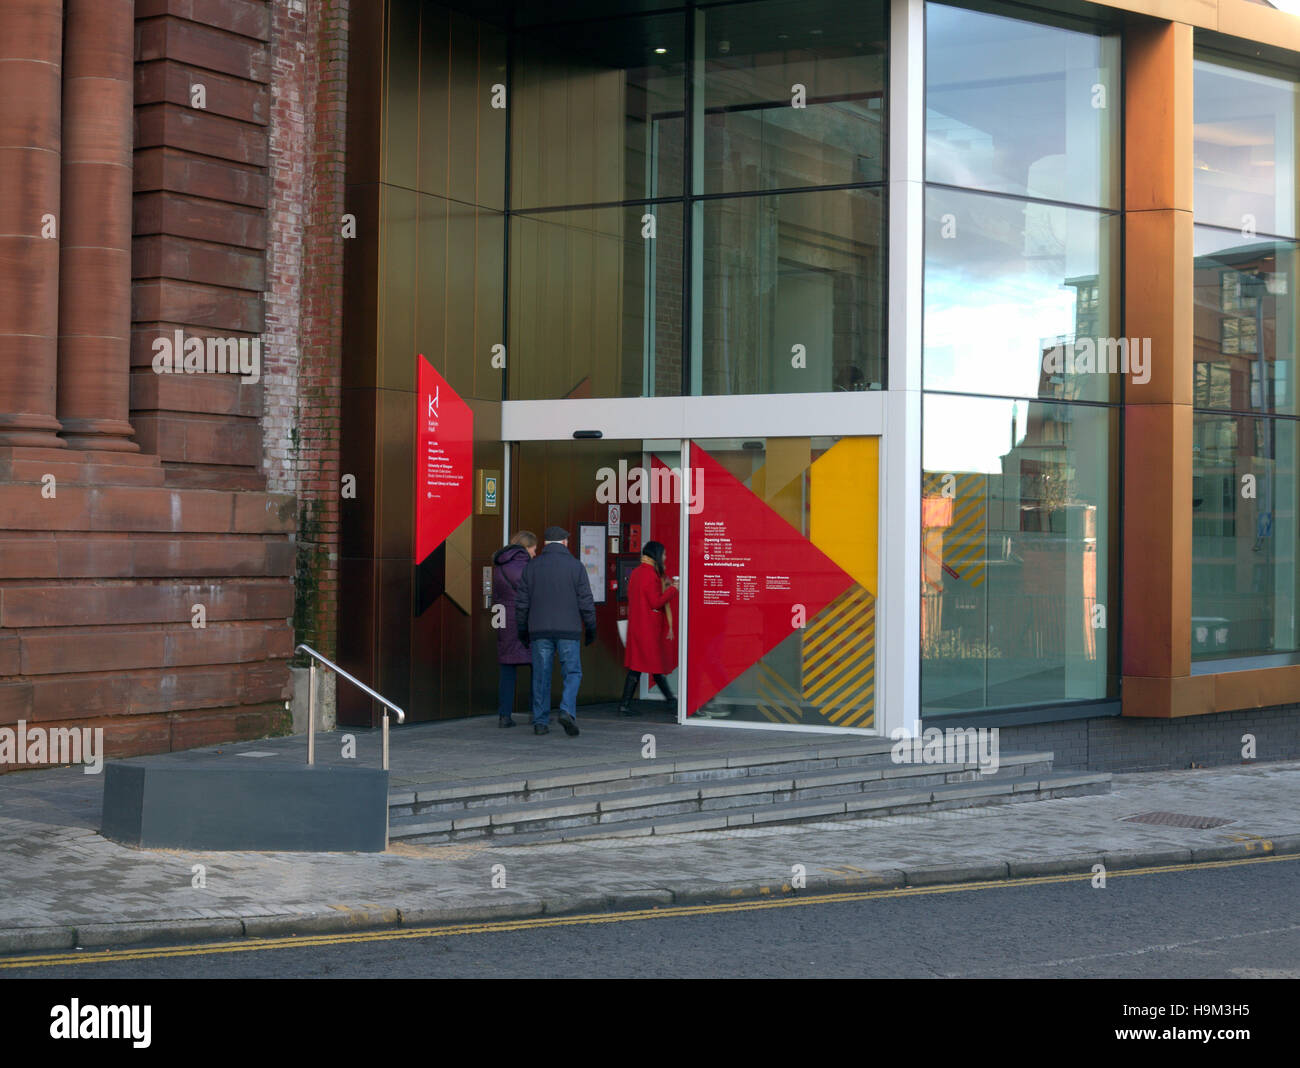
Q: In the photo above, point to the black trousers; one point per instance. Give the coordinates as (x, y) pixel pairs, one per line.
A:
(634, 680)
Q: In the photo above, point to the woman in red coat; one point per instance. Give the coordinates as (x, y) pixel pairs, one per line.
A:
(651, 630)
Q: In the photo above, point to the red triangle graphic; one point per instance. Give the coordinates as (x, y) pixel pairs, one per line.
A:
(743, 597)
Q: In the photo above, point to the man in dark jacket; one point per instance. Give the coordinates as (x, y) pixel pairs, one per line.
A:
(553, 609)
(507, 571)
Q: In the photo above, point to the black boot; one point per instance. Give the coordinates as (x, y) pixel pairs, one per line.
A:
(625, 706)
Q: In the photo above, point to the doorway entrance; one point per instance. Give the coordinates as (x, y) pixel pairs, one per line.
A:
(613, 497)
(775, 545)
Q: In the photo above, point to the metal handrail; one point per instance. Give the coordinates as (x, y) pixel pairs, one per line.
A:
(311, 701)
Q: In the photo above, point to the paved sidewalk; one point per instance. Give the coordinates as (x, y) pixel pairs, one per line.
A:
(63, 886)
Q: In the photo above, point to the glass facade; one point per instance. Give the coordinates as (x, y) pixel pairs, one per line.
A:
(671, 229)
(641, 200)
(1245, 161)
(793, 95)
(595, 307)
(1245, 470)
(793, 293)
(1009, 283)
(1028, 108)
(1023, 367)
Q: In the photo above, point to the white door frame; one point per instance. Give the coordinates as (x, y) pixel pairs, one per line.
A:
(883, 414)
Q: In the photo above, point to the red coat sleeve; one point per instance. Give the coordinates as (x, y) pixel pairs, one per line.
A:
(657, 599)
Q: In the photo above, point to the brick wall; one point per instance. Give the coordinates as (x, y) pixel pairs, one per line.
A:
(300, 424)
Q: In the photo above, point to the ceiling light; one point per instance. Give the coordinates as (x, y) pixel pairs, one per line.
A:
(661, 51)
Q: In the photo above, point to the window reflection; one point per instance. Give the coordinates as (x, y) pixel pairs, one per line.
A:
(1022, 107)
(793, 293)
(1244, 149)
(1016, 294)
(598, 112)
(596, 303)
(1017, 510)
(793, 95)
(1244, 535)
(1245, 330)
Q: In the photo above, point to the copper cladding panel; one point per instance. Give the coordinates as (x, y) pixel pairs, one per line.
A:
(365, 72)
(395, 475)
(398, 274)
(1157, 518)
(361, 288)
(400, 107)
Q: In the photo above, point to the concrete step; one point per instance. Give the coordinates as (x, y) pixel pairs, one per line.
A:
(445, 798)
(995, 791)
(746, 802)
(715, 779)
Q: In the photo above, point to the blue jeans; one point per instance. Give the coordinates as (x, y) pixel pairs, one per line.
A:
(506, 689)
(545, 652)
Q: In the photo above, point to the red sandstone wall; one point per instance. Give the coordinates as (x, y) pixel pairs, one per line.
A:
(99, 579)
(201, 228)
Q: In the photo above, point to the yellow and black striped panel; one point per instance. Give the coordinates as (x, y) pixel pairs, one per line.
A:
(965, 541)
(776, 699)
(839, 660)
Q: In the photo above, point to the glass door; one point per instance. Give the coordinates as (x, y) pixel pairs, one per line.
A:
(782, 581)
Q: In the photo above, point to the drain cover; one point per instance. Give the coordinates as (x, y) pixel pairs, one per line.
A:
(1178, 819)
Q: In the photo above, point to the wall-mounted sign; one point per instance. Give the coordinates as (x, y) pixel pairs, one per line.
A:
(591, 551)
(614, 520)
(444, 459)
(489, 492)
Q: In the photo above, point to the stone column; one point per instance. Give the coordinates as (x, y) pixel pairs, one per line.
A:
(31, 52)
(95, 268)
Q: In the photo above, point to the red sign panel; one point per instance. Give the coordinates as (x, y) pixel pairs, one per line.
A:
(444, 460)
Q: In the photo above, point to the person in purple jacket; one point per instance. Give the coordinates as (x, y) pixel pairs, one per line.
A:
(507, 569)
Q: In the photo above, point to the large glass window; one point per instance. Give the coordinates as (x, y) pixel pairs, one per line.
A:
(1017, 583)
(1244, 460)
(1022, 107)
(596, 303)
(1020, 298)
(1245, 322)
(793, 293)
(1021, 364)
(793, 95)
(1244, 148)
(1244, 536)
(598, 112)
(721, 128)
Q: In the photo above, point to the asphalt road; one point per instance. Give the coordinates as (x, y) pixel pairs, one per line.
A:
(1235, 921)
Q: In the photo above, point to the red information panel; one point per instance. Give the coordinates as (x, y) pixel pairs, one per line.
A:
(753, 577)
(444, 460)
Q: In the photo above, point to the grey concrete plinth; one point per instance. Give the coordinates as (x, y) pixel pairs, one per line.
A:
(326, 708)
(213, 805)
